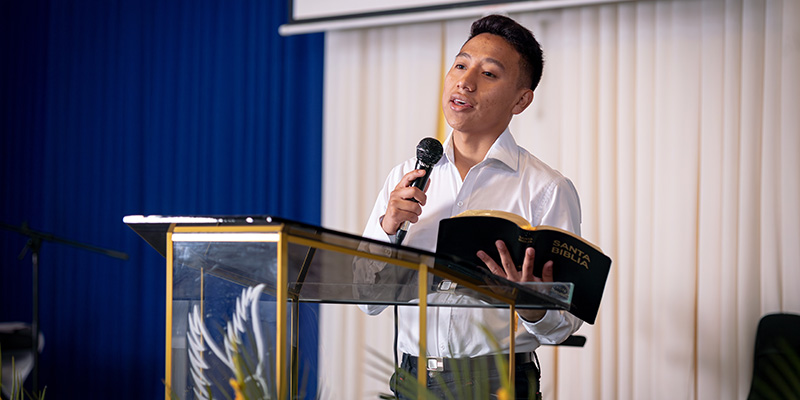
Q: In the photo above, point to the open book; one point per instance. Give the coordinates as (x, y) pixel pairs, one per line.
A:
(574, 259)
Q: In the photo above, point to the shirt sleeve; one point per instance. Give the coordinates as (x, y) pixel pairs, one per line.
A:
(365, 271)
(561, 209)
(373, 229)
(365, 275)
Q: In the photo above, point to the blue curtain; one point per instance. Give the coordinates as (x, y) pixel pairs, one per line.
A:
(110, 108)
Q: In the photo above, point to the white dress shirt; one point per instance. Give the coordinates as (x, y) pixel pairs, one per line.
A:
(508, 179)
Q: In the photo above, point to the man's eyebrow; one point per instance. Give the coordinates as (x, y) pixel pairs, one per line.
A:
(488, 60)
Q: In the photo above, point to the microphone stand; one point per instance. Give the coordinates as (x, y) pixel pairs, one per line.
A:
(34, 244)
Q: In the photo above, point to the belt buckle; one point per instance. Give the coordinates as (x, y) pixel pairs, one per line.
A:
(447, 286)
(434, 364)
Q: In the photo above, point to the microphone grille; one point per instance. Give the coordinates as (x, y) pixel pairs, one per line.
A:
(429, 151)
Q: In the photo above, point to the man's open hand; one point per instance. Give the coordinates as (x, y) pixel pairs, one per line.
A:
(508, 270)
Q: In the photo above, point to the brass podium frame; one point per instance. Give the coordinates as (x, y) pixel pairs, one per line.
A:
(240, 229)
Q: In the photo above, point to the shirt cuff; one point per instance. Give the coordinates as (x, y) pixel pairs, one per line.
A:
(552, 319)
(385, 237)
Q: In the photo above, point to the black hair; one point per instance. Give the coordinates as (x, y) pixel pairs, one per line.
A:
(519, 37)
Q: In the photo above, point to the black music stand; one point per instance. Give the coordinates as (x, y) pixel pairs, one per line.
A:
(34, 244)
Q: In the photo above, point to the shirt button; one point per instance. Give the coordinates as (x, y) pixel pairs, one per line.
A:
(460, 204)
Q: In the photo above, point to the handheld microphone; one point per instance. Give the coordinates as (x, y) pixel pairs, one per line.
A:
(429, 152)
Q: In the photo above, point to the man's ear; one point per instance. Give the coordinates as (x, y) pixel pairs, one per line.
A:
(525, 99)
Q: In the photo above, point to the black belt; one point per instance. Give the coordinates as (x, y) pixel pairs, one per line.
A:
(441, 364)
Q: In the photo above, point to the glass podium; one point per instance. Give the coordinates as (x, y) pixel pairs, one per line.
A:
(234, 285)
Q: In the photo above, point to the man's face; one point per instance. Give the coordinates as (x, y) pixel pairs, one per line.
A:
(482, 90)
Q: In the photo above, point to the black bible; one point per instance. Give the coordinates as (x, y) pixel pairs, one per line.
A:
(574, 259)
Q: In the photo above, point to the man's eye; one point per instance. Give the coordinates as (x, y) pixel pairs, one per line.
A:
(460, 66)
(489, 74)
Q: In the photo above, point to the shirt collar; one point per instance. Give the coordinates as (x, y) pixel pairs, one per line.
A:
(504, 149)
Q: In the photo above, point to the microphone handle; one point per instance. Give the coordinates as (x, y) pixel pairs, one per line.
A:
(401, 233)
(419, 183)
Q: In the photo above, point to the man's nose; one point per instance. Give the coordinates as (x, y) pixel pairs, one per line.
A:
(467, 81)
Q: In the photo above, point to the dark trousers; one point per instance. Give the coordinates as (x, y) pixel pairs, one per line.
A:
(465, 379)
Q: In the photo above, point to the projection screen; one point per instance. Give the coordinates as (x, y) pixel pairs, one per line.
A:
(306, 16)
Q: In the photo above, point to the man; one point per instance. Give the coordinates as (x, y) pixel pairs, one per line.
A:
(492, 79)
